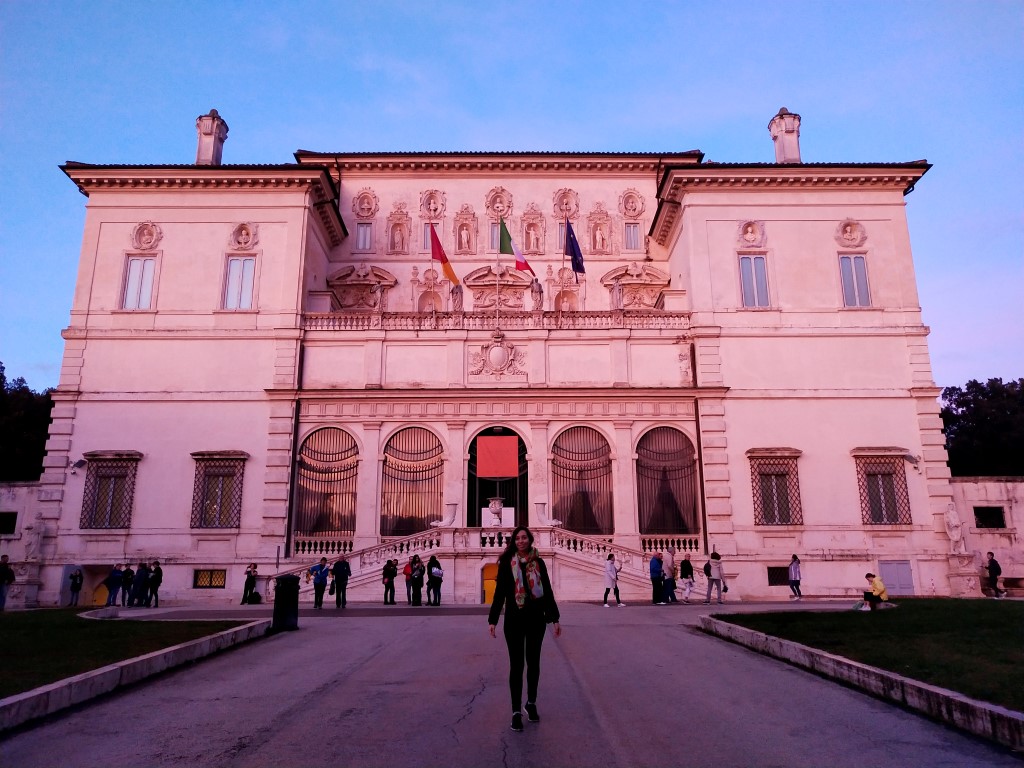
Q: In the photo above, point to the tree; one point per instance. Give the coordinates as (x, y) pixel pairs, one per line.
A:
(24, 424)
(985, 427)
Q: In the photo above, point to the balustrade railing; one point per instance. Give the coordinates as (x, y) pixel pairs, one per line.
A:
(485, 321)
(682, 544)
(321, 546)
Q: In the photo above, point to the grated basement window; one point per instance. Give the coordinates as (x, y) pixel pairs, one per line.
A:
(989, 517)
(209, 578)
(778, 576)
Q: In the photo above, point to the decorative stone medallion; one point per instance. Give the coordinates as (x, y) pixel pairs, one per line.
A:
(245, 236)
(365, 204)
(146, 236)
(751, 234)
(850, 234)
(631, 204)
(566, 204)
(432, 205)
(498, 359)
(498, 203)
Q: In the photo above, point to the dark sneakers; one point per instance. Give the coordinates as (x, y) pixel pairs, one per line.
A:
(517, 721)
(531, 712)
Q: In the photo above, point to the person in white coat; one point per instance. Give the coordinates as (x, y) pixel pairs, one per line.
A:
(611, 580)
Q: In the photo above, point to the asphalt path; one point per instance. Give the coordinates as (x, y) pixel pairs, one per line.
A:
(408, 687)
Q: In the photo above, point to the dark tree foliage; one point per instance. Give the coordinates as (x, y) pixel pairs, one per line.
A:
(985, 428)
(24, 423)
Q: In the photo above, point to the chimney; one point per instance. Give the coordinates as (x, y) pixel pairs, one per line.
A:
(212, 132)
(785, 131)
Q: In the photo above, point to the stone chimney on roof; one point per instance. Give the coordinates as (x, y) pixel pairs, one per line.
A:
(785, 131)
(212, 132)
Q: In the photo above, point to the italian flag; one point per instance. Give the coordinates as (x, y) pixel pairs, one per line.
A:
(437, 254)
(507, 246)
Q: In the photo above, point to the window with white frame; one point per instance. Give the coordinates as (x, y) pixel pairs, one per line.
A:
(495, 236)
(854, 275)
(138, 282)
(364, 236)
(754, 280)
(109, 491)
(426, 236)
(882, 482)
(217, 492)
(776, 487)
(561, 236)
(239, 282)
(632, 238)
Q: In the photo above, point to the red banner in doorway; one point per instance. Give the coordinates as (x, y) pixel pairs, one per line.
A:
(497, 456)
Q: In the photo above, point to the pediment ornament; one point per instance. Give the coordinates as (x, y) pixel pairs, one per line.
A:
(430, 292)
(362, 288)
(850, 234)
(506, 287)
(566, 204)
(432, 205)
(245, 236)
(365, 204)
(567, 294)
(497, 358)
(635, 286)
(146, 236)
(751, 234)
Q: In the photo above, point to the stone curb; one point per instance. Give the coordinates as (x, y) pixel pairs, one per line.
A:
(51, 698)
(998, 724)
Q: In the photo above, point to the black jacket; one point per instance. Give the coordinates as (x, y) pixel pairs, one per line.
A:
(505, 594)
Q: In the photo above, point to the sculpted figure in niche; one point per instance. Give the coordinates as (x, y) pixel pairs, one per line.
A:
(631, 206)
(464, 237)
(954, 529)
(599, 240)
(380, 291)
(750, 233)
(432, 206)
(398, 238)
(146, 236)
(456, 298)
(616, 294)
(850, 233)
(533, 238)
(537, 294)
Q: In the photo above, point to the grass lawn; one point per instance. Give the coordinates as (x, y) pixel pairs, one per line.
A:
(44, 646)
(975, 647)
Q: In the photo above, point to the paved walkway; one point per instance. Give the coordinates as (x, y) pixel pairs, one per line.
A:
(403, 687)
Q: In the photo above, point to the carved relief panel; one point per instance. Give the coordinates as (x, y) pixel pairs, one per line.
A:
(498, 359)
(146, 236)
(534, 230)
(850, 234)
(431, 292)
(566, 294)
(398, 229)
(361, 288)
(635, 286)
(599, 228)
(506, 288)
(465, 230)
(566, 204)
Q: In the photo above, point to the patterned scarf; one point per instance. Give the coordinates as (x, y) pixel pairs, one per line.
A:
(532, 581)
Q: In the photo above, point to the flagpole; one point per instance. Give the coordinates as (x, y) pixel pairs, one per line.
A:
(497, 275)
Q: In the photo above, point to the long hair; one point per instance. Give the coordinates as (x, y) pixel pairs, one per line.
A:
(510, 548)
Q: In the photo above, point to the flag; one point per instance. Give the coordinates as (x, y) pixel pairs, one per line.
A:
(507, 246)
(437, 254)
(572, 250)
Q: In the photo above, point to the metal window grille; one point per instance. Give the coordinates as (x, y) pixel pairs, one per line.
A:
(217, 494)
(884, 499)
(413, 482)
(776, 491)
(778, 576)
(666, 480)
(581, 482)
(109, 492)
(209, 578)
(325, 501)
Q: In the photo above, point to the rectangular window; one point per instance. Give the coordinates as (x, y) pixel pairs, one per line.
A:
(8, 523)
(632, 239)
(426, 236)
(217, 493)
(778, 575)
(209, 578)
(495, 237)
(754, 281)
(561, 237)
(239, 283)
(989, 517)
(884, 498)
(138, 284)
(853, 272)
(776, 488)
(364, 236)
(109, 493)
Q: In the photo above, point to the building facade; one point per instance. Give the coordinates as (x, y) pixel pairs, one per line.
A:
(265, 364)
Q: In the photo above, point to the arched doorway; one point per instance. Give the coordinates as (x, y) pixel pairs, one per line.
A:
(581, 482)
(325, 492)
(666, 482)
(412, 486)
(497, 468)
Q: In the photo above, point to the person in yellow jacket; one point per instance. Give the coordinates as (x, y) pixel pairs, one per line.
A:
(877, 594)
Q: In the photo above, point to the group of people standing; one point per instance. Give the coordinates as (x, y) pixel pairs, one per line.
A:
(140, 587)
(416, 574)
(663, 577)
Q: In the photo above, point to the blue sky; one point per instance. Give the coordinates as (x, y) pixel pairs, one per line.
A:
(120, 82)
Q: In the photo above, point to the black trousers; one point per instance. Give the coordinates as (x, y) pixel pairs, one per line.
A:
(524, 636)
(340, 599)
(609, 589)
(657, 589)
(389, 592)
(318, 594)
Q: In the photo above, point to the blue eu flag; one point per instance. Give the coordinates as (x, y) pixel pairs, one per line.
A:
(572, 250)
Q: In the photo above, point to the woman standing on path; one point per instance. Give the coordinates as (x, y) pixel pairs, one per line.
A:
(390, 574)
(524, 589)
(611, 580)
(251, 574)
(794, 577)
(417, 579)
(76, 586)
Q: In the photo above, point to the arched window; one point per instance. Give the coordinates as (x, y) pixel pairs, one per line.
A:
(411, 494)
(581, 482)
(325, 496)
(666, 482)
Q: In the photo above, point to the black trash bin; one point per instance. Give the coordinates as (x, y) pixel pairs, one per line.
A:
(286, 603)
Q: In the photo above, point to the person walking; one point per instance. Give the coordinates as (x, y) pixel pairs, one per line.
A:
(657, 580)
(686, 576)
(794, 578)
(523, 589)
(716, 577)
(319, 573)
(6, 579)
(994, 572)
(76, 579)
(156, 578)
(668, 570)
(435, 577)
(113, 584)
(127, 580)
(251, 574)
(341, 573)
(389, 576)
(416, 579)
(611, 580)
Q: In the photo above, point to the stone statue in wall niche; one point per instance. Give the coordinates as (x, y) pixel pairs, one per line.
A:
(954, 529)
(537, 295)
(616, 294)
(464, 237)
(456, 293)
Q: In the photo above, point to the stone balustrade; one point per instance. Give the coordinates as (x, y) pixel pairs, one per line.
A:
(485, 321)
